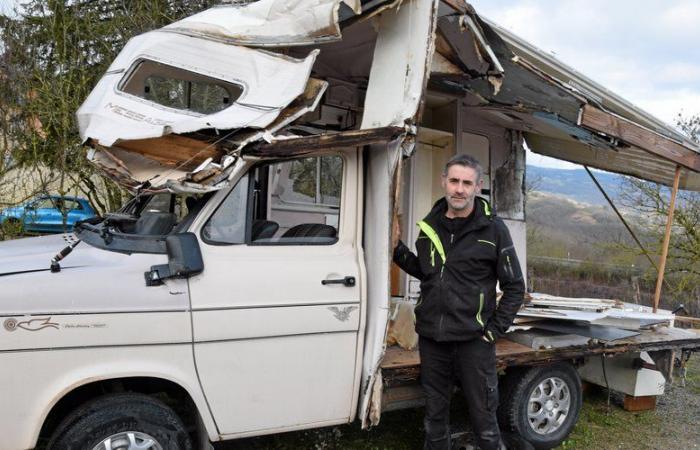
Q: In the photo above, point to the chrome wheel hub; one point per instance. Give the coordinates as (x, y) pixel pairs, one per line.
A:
(129, 440)
(548, 405)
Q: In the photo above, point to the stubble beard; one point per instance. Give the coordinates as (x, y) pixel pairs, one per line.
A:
(466, 204)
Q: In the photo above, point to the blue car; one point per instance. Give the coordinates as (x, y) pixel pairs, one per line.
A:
(44, 214)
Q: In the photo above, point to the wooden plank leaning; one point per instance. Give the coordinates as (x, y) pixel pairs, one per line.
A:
(667, 238)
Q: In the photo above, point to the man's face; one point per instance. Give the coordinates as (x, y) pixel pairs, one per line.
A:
(461, 186)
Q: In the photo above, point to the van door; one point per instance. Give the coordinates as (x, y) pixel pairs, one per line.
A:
(276, 312)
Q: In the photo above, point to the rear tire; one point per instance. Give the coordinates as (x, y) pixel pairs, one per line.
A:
(121, 422)
(541, 404)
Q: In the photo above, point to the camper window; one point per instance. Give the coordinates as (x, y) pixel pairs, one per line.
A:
(178, 88)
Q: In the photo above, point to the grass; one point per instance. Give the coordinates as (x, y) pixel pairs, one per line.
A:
(692, 378)
(600, 427)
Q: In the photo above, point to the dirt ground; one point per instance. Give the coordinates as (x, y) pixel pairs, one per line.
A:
(673, 425)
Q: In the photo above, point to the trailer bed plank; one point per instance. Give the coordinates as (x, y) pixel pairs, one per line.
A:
(510, 353)
(397, 357)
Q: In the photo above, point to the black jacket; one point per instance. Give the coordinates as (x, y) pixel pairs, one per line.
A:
(458, 292)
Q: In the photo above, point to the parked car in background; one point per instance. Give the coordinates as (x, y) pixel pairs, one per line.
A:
(44, 214)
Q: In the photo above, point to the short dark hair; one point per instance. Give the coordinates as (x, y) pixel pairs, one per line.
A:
(466, 161)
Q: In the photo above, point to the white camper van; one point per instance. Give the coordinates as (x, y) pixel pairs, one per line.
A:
(247, 289)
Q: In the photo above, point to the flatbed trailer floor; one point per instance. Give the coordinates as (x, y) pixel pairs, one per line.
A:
(401, 368)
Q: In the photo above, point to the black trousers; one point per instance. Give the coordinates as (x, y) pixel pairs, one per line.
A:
(474, 364)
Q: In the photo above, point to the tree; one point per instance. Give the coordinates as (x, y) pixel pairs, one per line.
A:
(53, 54)
(651, 200)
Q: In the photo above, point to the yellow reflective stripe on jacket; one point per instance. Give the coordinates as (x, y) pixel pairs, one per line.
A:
(487, 208)
(434, 238)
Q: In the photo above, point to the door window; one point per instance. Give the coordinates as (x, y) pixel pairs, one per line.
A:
(292, 202)
(227, 224)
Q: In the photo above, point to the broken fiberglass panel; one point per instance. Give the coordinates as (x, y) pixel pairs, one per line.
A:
(275, 23)
(253, 86)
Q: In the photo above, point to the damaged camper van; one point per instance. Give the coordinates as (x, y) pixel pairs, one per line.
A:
(247, 289)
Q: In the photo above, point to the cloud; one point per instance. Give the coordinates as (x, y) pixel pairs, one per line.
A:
(645, 51)
(669, 103)
(681, 72)
(545, 161)
(681, 18)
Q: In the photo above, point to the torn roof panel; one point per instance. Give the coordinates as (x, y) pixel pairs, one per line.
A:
(183, 164)
(275, 23)
(491, 73)
(626, 160)
(130, 169)
(267, 82)
(401, 64)
(550, 135)
(534, 82)
(585, 86)
(136, 117)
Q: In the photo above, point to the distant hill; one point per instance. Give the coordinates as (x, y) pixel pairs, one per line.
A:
(574, 184)
(560, 227)
(568, 217)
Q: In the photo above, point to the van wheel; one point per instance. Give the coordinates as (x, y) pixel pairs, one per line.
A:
(121, 422)
(541, 404)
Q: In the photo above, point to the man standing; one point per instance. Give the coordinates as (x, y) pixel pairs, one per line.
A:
(463, 250)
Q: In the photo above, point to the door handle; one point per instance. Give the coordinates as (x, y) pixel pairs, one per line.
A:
(347, 281)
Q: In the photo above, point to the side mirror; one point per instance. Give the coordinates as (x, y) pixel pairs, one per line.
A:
(184, 259)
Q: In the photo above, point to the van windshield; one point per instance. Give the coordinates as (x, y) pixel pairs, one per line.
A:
(142, 225)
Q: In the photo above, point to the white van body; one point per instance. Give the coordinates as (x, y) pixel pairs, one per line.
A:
(282, 335)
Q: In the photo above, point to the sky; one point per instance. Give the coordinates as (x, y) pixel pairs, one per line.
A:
(6, 6)
(648, 52)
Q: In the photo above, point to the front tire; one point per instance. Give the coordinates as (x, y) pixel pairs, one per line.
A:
(121, 422)
(541, 404)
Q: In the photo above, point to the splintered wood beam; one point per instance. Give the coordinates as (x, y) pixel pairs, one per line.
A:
(308, 144)
(173, 150)
(620, 128)
(459, 6)
(667, 238)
